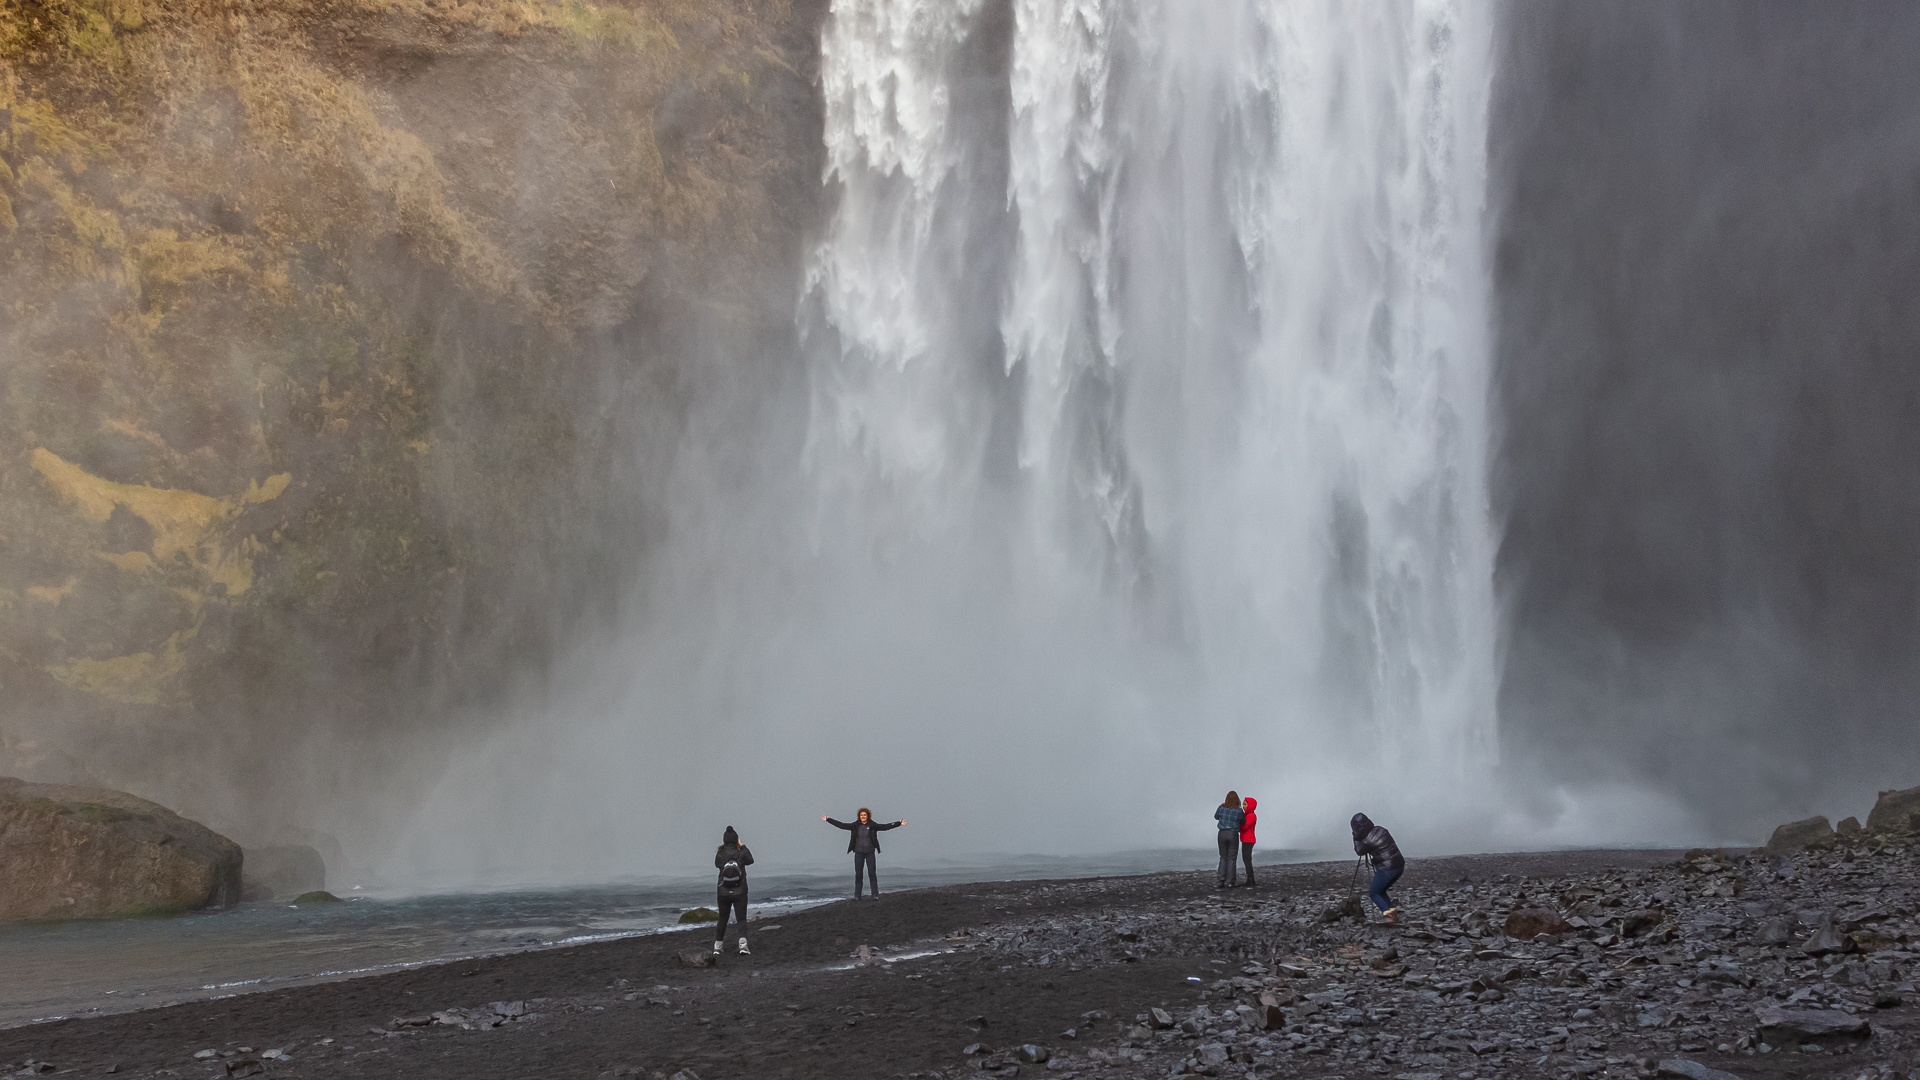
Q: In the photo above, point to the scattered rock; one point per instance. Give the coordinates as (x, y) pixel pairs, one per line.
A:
(318, 896)
(1526, 922)
(1799, 836)
(1786, 1026)
(1849, 828)
(1692, 1070)
(1033, 1054)
(696, 958)
(1827, 939)
(700, 915)
(1776, 931)
(245, 1067)
(1639, 922)
(1159, 1019)
(1893, 810)
(92, 853)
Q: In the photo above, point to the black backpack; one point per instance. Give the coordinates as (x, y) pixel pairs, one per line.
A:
(731, 874)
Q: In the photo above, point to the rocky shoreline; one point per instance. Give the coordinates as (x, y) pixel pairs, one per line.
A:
(1630, 964)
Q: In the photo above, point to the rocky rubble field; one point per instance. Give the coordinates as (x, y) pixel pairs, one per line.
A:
(1711, 963)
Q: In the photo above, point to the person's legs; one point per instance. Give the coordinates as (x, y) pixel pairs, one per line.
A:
(740, 916)
(860, 859)
(1246, 853)
(1229, 871)
(873, 875)
(1383, 879)
(725, 904)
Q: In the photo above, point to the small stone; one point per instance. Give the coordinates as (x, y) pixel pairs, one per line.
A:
(1033, 1054)
(700, 915)
(245, 1067)
(1691, 1070)
(1827, 939)
(205, 1055)
(1805, 1025)
(1159, 1019)
(696, 958)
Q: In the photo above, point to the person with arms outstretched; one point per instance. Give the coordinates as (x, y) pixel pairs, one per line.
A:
(865, 844)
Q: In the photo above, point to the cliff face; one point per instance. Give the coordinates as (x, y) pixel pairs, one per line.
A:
(333, 333)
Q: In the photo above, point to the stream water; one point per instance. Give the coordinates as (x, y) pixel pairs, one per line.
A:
(92, 968)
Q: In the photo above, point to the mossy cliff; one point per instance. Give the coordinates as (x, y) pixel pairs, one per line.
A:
(331, 332)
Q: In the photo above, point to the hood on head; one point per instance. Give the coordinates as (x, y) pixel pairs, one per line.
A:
(1362, 825)
(730, 837)
(1248, 803)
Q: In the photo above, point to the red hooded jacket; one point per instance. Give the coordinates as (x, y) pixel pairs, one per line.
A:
(1246, 831)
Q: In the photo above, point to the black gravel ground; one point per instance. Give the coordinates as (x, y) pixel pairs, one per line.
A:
(1076, 968)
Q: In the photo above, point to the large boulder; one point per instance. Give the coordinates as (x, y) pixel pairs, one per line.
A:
(274, 873)
(91, 853)
(1798, 836)
(1894, 810)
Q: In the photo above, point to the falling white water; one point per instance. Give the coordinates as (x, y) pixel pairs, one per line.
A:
(1138, 454)
(1236, 357)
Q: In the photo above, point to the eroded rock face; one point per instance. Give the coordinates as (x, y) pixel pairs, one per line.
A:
(1894, 810)
(91, 853)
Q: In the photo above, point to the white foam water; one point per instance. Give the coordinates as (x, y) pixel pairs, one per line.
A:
(1135, 451)
(1224, 425)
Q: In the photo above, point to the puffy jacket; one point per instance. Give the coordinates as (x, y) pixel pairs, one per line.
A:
(1246, 831)
(871, 829)
(1230, 818)
(1376, 843)
(739, 853)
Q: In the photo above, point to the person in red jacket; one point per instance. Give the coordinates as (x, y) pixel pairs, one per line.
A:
(1246, 836)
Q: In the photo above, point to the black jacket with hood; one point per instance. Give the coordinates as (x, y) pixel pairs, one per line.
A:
(873, 829)
(735, 852)
(1376, 843)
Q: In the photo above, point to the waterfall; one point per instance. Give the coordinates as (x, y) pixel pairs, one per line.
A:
(1134, 450)
(1181, 350)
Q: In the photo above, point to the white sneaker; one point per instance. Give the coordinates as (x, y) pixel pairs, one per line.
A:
(716, 948)
(744, 951)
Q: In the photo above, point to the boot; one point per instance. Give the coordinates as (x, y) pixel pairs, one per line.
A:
(744, 951)
(1391, 916)
(716, 948)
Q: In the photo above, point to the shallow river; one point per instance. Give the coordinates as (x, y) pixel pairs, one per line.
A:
(77, 969)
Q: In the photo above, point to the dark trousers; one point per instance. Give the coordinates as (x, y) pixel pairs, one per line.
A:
(1246, 853)
(1229, 873)
(873, 876)
(737, 906)
(1383, 879)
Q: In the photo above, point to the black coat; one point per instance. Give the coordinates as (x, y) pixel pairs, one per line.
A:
(738, 852)
(873, 829)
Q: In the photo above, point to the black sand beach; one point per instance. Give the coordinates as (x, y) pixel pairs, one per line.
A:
(965, 976)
